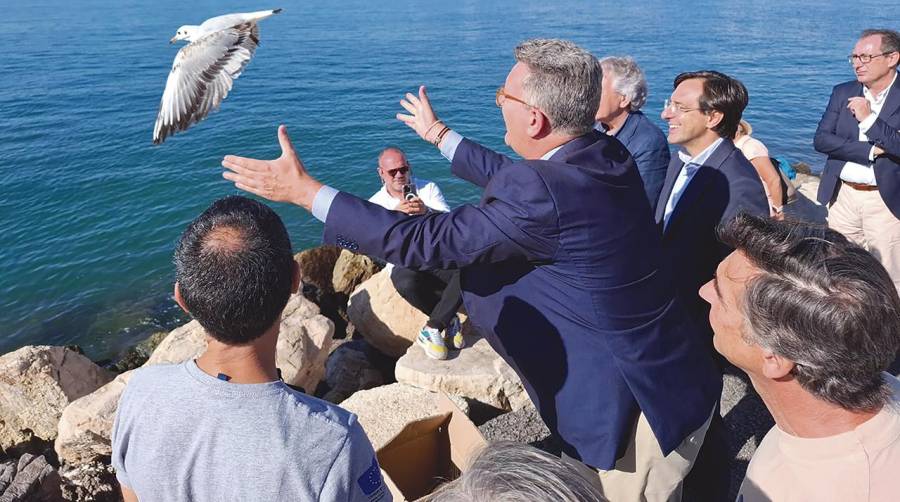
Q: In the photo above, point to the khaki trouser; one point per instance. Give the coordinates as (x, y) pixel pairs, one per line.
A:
(644, 474)
(863, 218)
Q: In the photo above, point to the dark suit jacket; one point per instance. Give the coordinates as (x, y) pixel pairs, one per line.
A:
(560, 270)
(725, 185)
(650, 150)
(838, 137)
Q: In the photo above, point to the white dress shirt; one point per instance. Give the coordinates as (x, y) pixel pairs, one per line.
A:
(426, 190)
(859, 173)
(688, 170)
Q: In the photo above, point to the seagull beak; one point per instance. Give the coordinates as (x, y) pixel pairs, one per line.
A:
(173, 40)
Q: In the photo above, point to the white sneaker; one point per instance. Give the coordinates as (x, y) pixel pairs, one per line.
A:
(432, 341)
(454, 333)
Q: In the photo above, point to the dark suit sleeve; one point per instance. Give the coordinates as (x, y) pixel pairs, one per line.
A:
(517, 219)
(885, 137)
(652, 161)
(477, 164)
(745, 191)
(827, 140)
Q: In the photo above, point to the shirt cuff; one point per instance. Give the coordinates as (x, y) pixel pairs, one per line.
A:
(872, 154)
(322, 202)
(448, 147)
(867, 122)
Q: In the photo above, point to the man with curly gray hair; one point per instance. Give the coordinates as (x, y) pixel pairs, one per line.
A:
(624, 92)
(814, 321)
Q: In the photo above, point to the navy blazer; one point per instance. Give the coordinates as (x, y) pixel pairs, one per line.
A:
(560, 270)
(838, 137)
(650, 150)
(725, 185)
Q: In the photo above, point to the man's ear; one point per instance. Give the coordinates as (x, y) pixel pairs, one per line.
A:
(180, 299)
(775, 367)
(538, 124)
(713, 118)
(295, 278)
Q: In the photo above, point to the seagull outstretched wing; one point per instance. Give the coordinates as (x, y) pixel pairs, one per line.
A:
(201, 77)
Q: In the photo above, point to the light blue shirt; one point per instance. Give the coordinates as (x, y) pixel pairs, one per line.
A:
(688, 170)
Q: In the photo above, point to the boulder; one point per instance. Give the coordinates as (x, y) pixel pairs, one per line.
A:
(476, 372)
(36, 384)
(317, 265)
(303, 347)
(90, 482)
(383, 317)
(351, 270)
(86, 424)
(384, 411)
(303, 344)
(806, 207)
(350, 368)
(30, 479)
(522, 426)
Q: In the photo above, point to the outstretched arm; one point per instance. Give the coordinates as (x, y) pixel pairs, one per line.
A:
(477, 168)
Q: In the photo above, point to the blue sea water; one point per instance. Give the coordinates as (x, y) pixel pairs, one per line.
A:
(90, 210)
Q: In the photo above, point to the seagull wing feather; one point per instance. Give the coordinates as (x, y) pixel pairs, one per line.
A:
(201, 77)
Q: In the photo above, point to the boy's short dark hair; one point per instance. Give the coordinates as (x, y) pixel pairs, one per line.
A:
(234, 268)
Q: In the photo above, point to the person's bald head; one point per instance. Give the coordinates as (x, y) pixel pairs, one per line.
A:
(394, 170)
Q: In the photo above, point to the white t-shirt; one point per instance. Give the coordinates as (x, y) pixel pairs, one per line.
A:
(427, 191)
(858, 465)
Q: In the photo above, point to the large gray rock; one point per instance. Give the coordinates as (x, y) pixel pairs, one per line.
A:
(30, 479)
(476, 372)
(86, 424)
(351, 270)
(317, 266)
(36, 384)
(806, 207)
(350, 368)
(383, 317)
(302, 349)
(384, 411)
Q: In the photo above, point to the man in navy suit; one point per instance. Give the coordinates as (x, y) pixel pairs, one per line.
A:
(560, 270)
(709, 181)
(624, 93)
(860, 133)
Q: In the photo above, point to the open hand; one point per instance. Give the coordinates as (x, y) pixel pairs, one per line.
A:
(422, 117)
(859, 107)
(280, 180)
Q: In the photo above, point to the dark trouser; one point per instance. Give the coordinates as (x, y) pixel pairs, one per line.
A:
(434, 292)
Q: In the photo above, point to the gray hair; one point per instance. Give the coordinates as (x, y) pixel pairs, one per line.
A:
(628, 79)
(513, 472)
(890, 39)
(822, 302)
(564, 82)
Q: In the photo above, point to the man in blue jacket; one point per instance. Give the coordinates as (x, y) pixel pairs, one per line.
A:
(560, 269)
(624, 93)
(860, 133)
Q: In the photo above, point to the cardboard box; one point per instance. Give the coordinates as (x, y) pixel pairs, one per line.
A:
(429, 452)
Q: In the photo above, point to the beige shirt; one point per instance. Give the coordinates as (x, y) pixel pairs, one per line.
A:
(859, 465)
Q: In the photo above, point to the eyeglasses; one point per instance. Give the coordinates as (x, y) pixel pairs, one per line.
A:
(393, 172)
(866, 58)
(502, 96)
(676, 108)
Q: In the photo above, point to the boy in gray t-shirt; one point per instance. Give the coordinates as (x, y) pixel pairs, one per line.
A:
(182, 434)
(224, 427)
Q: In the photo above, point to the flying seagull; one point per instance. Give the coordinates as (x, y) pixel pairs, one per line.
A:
(203, 70)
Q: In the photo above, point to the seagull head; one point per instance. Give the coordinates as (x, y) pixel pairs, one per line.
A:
(184, 33)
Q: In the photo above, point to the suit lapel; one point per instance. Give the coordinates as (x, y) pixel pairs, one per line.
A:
(675, 165)
(892, 103)
(703, 176)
